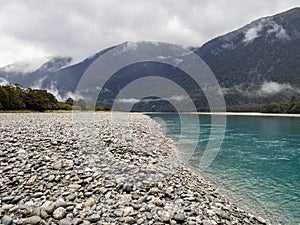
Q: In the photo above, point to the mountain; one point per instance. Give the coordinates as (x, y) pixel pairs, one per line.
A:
(258, 63)
(31, 73)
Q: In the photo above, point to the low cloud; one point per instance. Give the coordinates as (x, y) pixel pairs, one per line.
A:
(272, 88)
(27, 66)
(252, 33)
(3, 82)
(273, 29)
(53, 90)
(178, 98)
(278, 31)
(129, 100)
(267, 88)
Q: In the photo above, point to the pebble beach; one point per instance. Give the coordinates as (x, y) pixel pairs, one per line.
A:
(115, 168)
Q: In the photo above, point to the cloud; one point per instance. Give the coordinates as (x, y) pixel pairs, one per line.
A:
(26, 67)
(278, 31)
(178, 98)
(129, 100)
(252, 33)
(3, 82)
(53, 90)
(267, 88)
(77, 28)
(273, 30)
(272, 88)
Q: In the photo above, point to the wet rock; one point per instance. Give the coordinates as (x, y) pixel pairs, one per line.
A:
(261, 220)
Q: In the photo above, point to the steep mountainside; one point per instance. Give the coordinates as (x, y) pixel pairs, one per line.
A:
(258, 63)
(31, 74)
(262, 59)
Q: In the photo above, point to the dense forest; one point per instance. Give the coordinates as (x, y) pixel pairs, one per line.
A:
(16, 98)
(293, 106)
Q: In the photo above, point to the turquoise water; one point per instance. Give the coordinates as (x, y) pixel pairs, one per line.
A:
(258, 163)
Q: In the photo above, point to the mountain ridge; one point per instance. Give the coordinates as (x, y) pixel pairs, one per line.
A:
(257, 63)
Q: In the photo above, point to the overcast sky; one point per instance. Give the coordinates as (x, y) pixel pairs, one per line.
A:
(79, 28)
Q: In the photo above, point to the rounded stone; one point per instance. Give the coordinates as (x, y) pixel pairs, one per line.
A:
(94, 218)
(7, 220)
(59, 213)
(32, 220)
(128, 188)
(65, 222)
(165, 216)
(130, 220)
(179, 217)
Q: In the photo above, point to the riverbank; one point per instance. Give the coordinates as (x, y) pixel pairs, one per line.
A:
(249, 114)
(112, 169)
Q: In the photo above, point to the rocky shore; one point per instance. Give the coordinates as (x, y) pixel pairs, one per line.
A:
(118, 169)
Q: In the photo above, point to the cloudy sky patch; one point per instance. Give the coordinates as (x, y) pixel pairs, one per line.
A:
(78, 28)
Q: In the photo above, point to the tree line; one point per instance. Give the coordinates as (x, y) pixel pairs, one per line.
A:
(290, 107)
(293, 106)
(16, 98)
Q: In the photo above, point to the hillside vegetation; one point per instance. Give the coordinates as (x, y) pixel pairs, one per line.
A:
(16, 98)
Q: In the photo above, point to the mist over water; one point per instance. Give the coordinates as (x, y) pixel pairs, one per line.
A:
(258, 163)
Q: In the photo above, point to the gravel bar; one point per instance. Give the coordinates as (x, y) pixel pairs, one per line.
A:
(107, 168)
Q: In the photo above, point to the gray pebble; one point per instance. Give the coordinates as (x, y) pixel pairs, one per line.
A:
(88, 194)
(130, 220)
(7, 198)
(94, 218)
(206, 222)
(7, 220)
(179, 217)
(76, 221)
(65, 222)
(59, 213)
(164, 216)
(118, 213)
(32, 220)
(148, 215)
(57, 165)
(133, 177)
